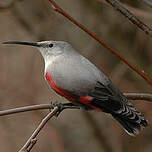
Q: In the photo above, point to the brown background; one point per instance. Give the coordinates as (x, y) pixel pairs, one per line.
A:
(22, 82)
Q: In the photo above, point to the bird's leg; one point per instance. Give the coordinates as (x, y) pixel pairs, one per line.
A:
(62, 106)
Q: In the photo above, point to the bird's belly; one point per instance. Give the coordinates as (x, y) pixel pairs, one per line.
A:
(84, 99)
(57, 89)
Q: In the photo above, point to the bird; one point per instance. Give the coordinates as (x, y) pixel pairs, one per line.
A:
(74, 77)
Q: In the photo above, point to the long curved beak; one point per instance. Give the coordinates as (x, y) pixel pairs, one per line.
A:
(23, 43)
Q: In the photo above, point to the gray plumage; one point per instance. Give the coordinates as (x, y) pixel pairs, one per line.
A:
(71, 71)
(79, 77)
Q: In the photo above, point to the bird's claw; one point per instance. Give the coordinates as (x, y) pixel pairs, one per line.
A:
(62, 106)
(59, 105)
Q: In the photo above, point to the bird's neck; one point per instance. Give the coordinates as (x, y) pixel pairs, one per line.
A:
(48, 62)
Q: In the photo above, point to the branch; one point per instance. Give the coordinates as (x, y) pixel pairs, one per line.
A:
(139, 96)
(130, 96)
(25, 109)
(136, 11)
(32, 140)
(29, 144)
(148, 2)
(62, 12)
(117, 5)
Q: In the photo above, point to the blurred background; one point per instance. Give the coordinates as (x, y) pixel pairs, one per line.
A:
(22, 82)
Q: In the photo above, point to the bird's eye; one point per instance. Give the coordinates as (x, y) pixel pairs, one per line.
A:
(50, 45)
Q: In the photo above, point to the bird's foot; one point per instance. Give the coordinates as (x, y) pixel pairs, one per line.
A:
(59, 105)
(62, 106)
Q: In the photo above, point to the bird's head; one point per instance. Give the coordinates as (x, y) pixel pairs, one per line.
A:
(46, 48)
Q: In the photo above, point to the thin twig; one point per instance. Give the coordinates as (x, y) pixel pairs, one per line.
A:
(117, 5)
(62, 12)
(148, 2)
(33, 142)
(38, 129)
(139, 96)
(136, 11)
(25, 109)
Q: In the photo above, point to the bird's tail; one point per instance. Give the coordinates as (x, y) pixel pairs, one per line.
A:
(131, 120)
(124, 112)
(112, 101)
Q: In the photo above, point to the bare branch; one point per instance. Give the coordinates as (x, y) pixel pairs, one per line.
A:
(62, 12)
(136, 11)
(139, 96)
(38, 129)
(130, 96)
(117, 5)
(148, 2)
(25, 109)
(32, 140)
